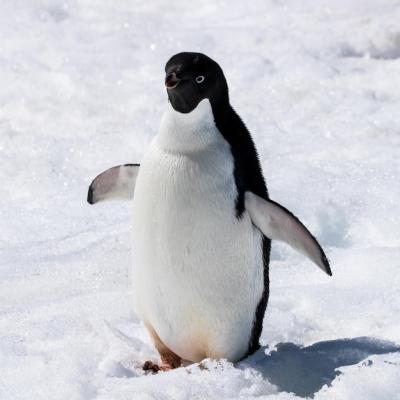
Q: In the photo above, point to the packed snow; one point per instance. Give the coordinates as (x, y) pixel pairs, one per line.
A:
(317, 83)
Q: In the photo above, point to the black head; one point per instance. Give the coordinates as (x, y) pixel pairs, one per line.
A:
(192, 77)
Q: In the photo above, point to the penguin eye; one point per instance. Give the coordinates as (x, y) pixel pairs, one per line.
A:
(200, 79)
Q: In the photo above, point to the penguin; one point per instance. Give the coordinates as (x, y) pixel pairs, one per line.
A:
(202, 223)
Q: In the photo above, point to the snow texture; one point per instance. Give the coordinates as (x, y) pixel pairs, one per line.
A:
(317, 83)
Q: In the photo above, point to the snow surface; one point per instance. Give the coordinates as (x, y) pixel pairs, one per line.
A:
(317, 83)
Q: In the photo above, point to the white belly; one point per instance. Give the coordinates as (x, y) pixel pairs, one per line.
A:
(197, 271)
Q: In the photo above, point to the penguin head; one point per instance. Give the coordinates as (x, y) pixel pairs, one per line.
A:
(192, 77)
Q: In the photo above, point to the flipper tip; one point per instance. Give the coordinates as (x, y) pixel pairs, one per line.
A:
(325, 262)
(90, 195)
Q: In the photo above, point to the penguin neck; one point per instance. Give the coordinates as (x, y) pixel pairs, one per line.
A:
(190, 132)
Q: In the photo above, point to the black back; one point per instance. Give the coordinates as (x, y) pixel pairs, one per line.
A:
(185, 91)
(248, 176)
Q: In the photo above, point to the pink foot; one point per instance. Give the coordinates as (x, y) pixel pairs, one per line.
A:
(164, 366)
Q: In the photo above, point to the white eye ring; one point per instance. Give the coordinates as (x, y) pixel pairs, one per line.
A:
(200, 79)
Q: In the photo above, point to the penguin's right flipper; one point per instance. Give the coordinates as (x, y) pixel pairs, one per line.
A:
(114, 183)
(277, 223)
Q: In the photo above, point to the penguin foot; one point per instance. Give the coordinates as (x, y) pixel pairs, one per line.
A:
(169, 360)
(166, 365)
(155, 368)
(150, 366)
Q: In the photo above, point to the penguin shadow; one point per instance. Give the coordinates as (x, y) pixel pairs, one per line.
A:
(304, 370)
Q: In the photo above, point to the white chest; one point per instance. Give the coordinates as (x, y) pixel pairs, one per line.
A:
(197, 268)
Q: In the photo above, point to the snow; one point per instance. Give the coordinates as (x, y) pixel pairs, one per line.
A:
(82, 90)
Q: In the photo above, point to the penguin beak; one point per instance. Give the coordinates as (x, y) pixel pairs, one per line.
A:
(171, 81)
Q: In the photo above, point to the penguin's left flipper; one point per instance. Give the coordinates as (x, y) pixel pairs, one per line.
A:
(114, 183)
(277, 223)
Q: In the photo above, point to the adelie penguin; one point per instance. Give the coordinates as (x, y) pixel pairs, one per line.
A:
(202, 223)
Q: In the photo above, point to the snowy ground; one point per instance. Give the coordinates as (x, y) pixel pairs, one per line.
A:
(317, 83)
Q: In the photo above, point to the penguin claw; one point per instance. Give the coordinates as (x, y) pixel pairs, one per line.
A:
(150, 366)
